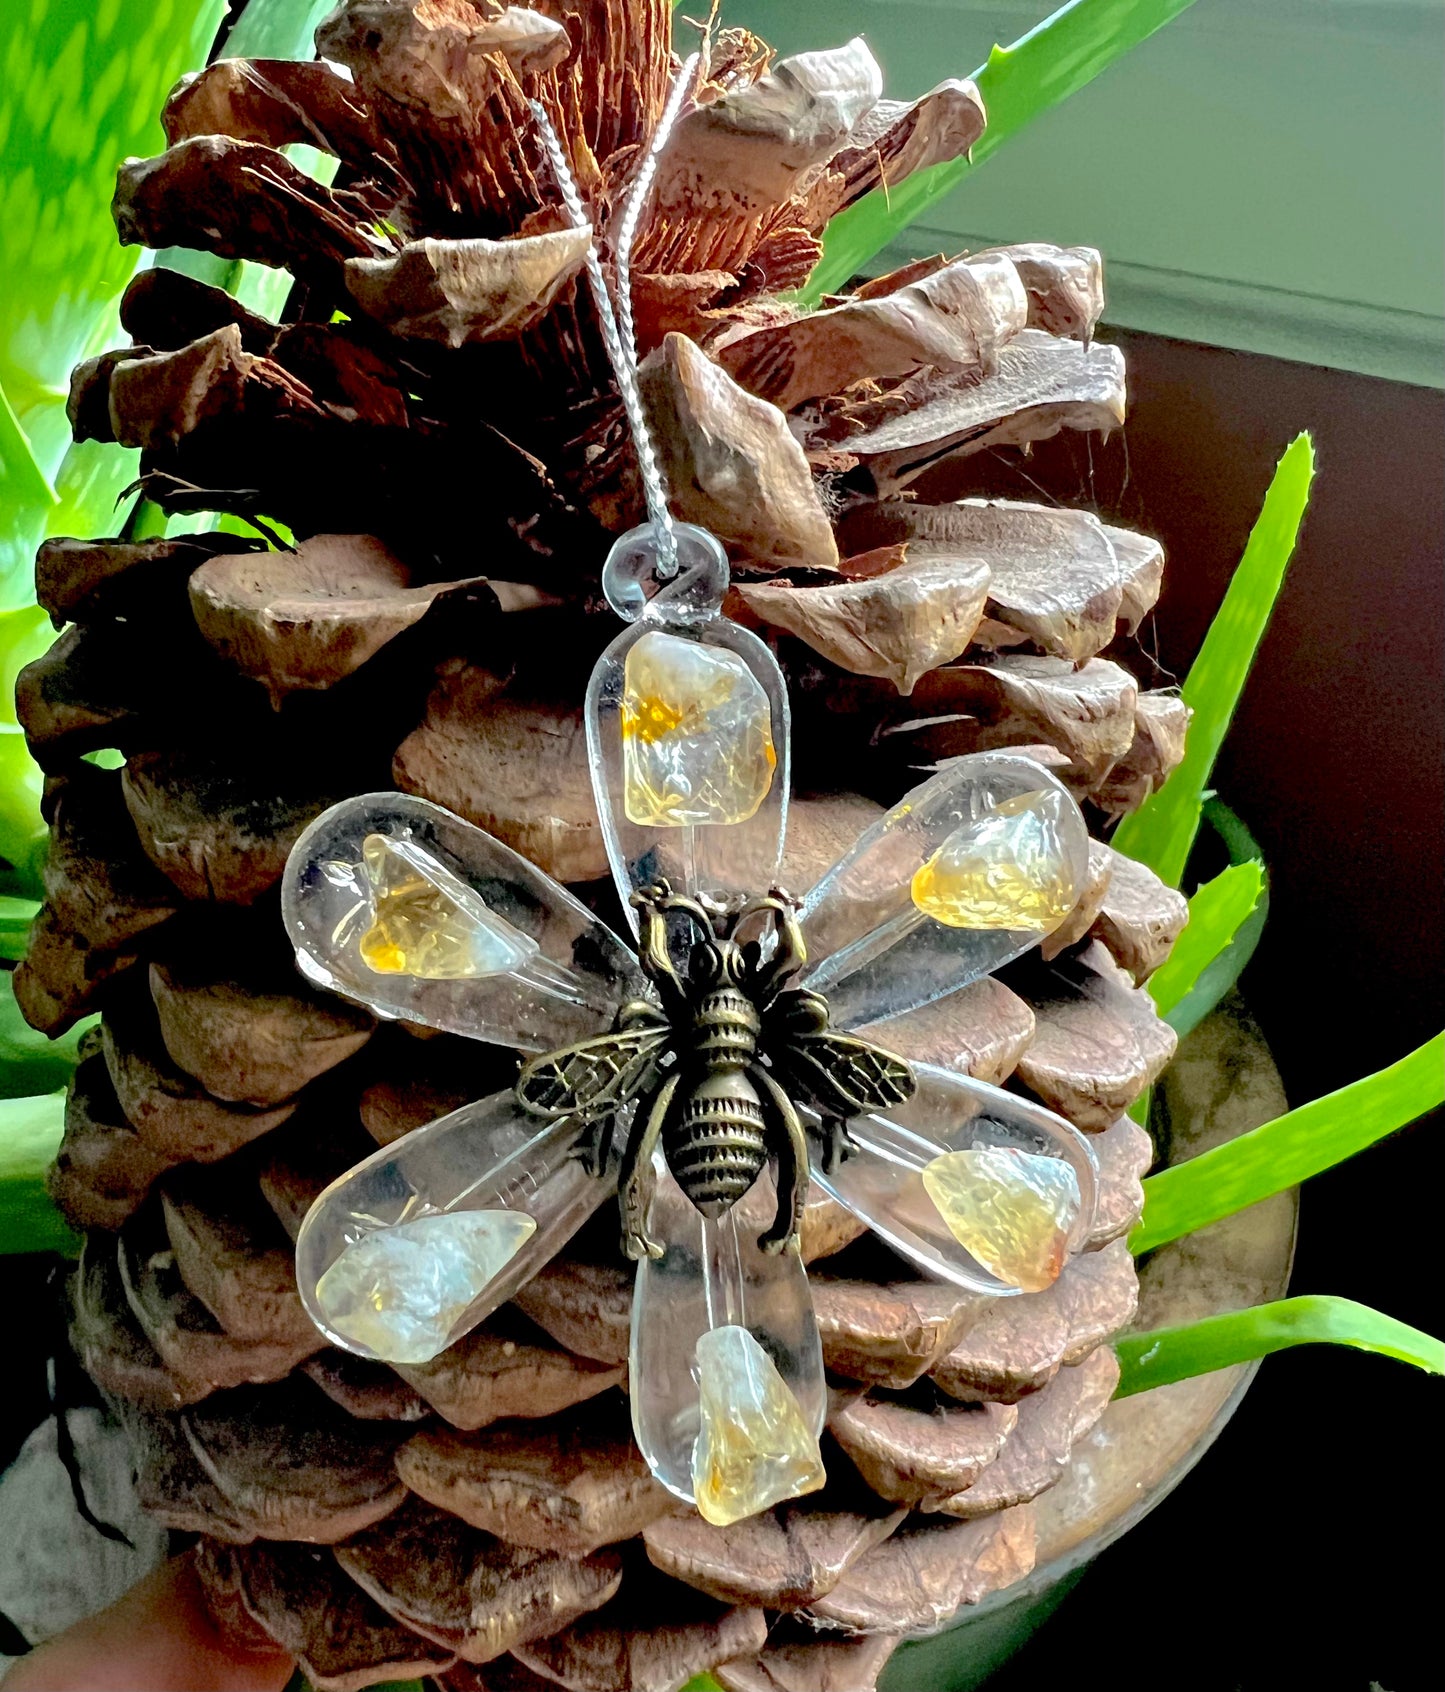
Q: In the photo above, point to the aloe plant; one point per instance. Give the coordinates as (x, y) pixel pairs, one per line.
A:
(1018, 83)
(1164, 1355)
(1282, 1153)
(1182, 989)
(1225, 918)
(1162, 831)
(29, 1131)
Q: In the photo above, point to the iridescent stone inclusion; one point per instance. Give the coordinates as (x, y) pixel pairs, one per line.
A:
(398, 1292)
(697, 736)
(753, 1449)
(1008, 870)
(1012, 1210)
(427, 922)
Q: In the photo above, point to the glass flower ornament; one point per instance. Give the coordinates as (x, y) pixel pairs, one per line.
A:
(709, 1070)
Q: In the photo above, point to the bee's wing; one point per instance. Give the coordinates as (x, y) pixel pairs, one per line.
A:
(590, 1075)
(408, 1251)
(969, 1183)
(713, 1275)
(396, 903)
(965, 873)
(842, 1075)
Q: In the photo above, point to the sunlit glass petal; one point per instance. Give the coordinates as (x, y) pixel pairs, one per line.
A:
(970, 1184)
(726, 1369)
(413, 1247)
(397, 903)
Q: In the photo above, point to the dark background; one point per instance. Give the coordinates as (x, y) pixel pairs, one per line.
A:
(1302, 1553)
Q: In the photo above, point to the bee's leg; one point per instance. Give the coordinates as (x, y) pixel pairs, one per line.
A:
(837, 1143)
(640, 1013)
(602, 1145)
(635, 1181)
(594, 1149)
(792, 1165)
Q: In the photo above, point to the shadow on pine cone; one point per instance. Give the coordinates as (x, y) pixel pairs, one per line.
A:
(433, 423)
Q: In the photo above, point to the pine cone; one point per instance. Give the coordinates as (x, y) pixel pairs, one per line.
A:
(434, 424)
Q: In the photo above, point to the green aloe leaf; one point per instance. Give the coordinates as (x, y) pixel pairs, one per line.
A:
(1161, 832)
(1041, 69)
(93, 476)
(29, 1061)
(24, 634)
(1239, 1336)
(1221, 975)
(23, 482)
(81, 88)
(1205, 962)
(16, 916)
(26, 502)
(1290, 1149)
(299, 1683)
(30, 1131)
(276, 29)
(23, 834)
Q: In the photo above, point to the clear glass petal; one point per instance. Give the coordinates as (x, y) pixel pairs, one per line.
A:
(965, 873)
(1025, 1203)
(713, 1278)
(688, 731)
(413, 1247)
(395, 902)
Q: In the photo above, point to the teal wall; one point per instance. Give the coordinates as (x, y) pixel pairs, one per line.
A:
(1262, 174)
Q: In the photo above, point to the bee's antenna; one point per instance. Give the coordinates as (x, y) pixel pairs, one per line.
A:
(690, 908)
(789, 953)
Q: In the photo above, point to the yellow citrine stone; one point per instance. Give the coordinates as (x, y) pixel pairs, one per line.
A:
(753, 1449)
(426, 921)
(400, 1291)
(1008, 870)
(697, 734)
(1011, 1210)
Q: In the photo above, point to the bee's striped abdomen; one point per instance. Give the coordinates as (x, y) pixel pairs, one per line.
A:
(718, 1145)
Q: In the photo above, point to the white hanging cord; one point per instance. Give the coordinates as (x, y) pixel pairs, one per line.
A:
(637, 201)
(619, 338)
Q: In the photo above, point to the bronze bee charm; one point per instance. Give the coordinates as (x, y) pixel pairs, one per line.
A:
(717, 1066)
